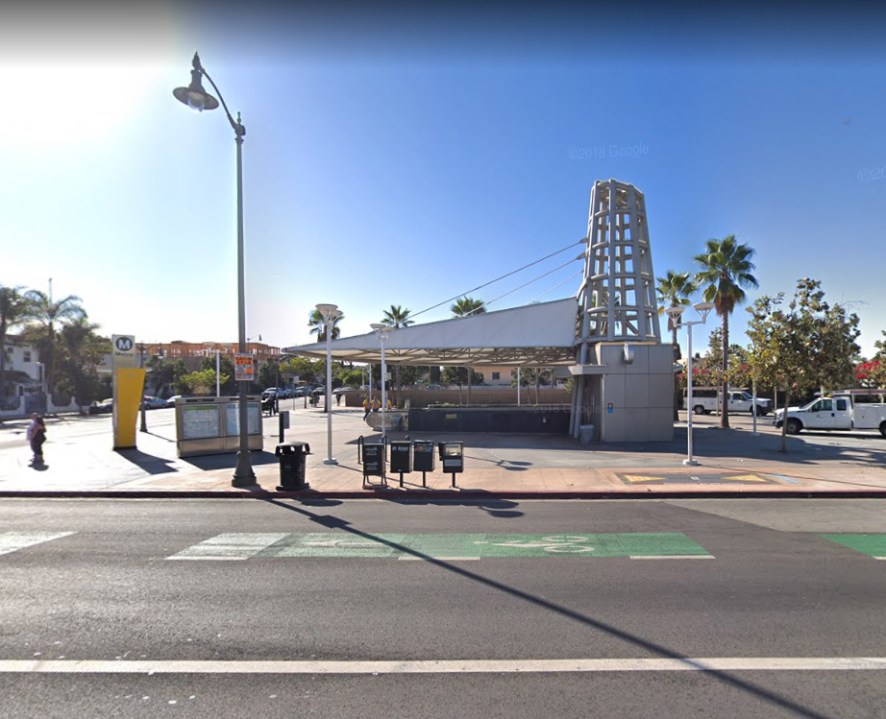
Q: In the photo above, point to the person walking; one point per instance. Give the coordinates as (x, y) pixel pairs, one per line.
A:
(36, 436)
(366, 408)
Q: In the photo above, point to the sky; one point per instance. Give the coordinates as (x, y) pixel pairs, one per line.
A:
(409, 153)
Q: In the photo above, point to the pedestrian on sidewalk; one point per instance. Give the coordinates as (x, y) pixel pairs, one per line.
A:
(36, 436)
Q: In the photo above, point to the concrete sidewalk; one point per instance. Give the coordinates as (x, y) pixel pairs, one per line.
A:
(732, 463)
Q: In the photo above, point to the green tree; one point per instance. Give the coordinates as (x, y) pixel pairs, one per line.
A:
(465, 307)
(14, 311)
(725, 271)
(876, 375)
(803, 346)
(306, 370)
(709, 369)
(49, 313)
(397, 317)
(160, 375)
(201, 382)
(81, 351)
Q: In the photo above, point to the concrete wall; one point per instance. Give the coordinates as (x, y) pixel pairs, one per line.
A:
(637, 399)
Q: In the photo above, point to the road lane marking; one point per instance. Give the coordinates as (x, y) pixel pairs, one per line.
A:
(442, 547)
(673, 556)
(873, 545)
(13, 541)
(444, 666)
(230, 546)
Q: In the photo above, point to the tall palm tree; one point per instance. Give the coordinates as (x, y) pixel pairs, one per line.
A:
(396, 317)
(14, 310)
(464, 307)
(674, 290)
(48, 312)
(725, 271)
(318, 325)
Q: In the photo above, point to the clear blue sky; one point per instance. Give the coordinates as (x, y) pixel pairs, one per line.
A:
(401, 155)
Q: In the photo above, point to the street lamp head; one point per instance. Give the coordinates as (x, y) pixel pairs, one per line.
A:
(327, 311)
(703, 308)
(675, 311)
(194, 96)
(381, 329)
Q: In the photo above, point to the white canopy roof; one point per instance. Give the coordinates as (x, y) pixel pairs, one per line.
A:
(532, 335)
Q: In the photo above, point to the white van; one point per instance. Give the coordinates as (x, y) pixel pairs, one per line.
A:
(709, 399)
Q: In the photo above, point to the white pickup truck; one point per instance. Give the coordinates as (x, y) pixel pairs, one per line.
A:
(838, 412)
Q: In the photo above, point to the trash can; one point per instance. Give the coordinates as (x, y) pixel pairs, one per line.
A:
(586, 433)
(292, 465)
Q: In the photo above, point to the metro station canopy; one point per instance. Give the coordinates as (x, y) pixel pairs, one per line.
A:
(542, 334)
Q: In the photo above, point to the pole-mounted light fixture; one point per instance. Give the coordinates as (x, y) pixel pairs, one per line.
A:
(383, 331)
(329, 313)
(675, 313)
(196, 97)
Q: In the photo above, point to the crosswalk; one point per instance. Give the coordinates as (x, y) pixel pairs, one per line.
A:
(242, 546)
(14, 541)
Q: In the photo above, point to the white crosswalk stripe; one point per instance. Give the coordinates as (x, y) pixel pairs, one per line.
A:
(13, 541)
(232, 546)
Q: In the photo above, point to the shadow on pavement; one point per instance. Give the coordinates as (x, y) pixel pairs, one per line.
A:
(584, 620)
(148, 462)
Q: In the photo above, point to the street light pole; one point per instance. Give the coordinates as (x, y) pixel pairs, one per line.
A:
(675, 312)
(383, 331)
(195, 97)
(329, 313)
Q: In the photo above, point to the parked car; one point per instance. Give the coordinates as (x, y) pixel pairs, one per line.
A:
(170, 402)
(709, 399)
(300, 392)
(153, 402)
(840, 412)
(103, 407)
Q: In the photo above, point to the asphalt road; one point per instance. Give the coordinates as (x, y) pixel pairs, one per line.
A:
(497, 609)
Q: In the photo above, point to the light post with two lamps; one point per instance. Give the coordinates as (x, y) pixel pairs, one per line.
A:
(329, 313)
(675, 312)
(195, 97)
(383, 331)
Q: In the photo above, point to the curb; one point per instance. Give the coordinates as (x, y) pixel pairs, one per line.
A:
(445, 494)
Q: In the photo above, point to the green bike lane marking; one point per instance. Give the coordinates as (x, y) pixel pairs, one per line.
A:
(451, 546)
(873, 545)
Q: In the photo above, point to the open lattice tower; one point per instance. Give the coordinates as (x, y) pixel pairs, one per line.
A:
(618, 290)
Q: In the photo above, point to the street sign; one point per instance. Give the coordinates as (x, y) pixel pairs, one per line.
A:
(244, 367)
(123, 351)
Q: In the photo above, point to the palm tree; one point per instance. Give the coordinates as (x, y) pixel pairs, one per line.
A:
(82, 350)
(464, 307)
(14, 310)
(674, 290)
(396, 317)
(318, 325)
(47, 313)
(725, 270)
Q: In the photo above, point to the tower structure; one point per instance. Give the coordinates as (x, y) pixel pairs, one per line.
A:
(618, 290)
(624, 375)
